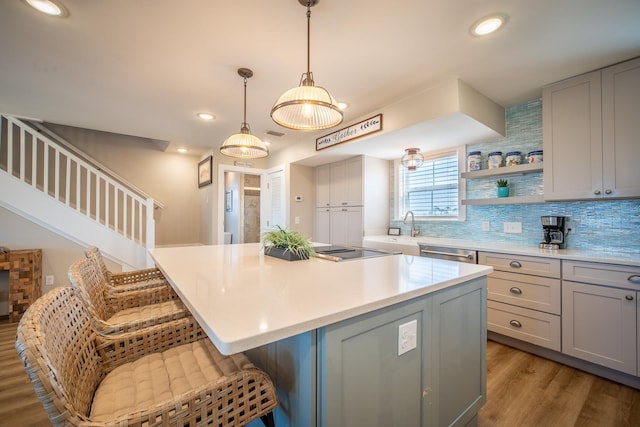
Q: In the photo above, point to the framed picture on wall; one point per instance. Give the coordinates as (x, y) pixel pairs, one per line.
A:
(204, 172)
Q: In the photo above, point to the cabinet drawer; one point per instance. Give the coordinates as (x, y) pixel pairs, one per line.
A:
(602, 274)
(536, 293)
(532, 326)
(522, 264)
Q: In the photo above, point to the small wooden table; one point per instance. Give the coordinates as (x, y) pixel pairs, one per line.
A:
(25, 279)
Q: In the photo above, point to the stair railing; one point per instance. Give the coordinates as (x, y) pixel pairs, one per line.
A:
(38, 161)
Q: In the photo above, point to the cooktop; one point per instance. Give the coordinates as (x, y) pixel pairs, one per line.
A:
(341, 253)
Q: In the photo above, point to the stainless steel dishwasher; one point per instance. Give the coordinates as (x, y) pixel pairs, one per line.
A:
(451, 254)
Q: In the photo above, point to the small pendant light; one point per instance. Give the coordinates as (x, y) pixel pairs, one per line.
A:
(244, 145)
(412, 159)
(307, 107)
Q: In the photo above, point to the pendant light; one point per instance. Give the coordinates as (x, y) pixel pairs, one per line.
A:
(244, 145)
(412, 159)
(307, 107)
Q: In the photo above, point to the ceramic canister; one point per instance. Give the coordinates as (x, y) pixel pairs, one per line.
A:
(513, 158)
(535, 156)
(495, 159)
(474, 161)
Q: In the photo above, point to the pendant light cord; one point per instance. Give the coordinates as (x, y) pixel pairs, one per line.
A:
(308, 37)
(244, 123)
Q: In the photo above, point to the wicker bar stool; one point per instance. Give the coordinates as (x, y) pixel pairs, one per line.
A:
(125, 281)
(165, 375)
(119, 312)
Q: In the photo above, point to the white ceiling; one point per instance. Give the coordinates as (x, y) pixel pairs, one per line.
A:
(146, 67)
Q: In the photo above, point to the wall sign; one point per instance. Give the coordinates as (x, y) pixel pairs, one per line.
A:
(365, 127)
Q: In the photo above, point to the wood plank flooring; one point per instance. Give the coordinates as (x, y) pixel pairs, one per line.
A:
(522, 390)
(525, 390)
(19, 405)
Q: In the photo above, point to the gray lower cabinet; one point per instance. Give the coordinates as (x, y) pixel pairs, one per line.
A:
(363, 381)
(599, 314)
(351, 373)
(524, 298)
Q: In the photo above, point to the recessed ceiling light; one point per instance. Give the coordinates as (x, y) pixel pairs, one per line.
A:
(205, 116)
(49, 7)
(488, 24)
(343, 105)
(181, 150)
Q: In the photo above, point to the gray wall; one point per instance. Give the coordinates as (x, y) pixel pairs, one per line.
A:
(170, 178)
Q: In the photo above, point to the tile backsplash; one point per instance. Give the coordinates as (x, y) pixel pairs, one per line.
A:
(599, 225)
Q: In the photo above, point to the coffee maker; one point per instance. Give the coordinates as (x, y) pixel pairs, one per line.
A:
(554, 232)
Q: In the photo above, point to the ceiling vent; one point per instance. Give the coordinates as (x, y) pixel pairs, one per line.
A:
(275, 133)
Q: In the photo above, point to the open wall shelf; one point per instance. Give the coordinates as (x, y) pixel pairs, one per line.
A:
(505, 200)
(504, 171)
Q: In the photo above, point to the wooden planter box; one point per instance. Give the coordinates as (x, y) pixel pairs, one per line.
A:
(282, 254)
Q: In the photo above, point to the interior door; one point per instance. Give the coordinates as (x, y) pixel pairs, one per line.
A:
(275, 213)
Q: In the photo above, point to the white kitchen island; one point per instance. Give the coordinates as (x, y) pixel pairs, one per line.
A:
(329, 333)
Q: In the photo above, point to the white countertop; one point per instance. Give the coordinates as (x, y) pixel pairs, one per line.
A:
(620, 258)
(244, 299)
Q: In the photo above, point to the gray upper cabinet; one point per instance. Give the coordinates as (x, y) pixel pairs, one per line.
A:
(346, 182)
(323, 186)
(592, 135)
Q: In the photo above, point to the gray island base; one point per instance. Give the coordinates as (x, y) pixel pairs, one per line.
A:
(349, 374)
(391, 341)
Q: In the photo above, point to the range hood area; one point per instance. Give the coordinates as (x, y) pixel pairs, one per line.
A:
(446, 115)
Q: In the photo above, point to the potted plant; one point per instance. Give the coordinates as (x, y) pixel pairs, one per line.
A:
(503, 188)
(287, 244)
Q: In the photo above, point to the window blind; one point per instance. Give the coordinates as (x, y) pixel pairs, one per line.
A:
(432, 189)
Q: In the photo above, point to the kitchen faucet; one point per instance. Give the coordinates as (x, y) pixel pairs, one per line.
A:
(414, 230)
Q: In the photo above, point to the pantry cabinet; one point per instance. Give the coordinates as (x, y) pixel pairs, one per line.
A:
(346, 226)
(346, 182)
(590, 135)
(323, 186)
(352, 199)
(599, 314)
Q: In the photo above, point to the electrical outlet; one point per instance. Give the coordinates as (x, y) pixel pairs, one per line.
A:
(486, 226)
(513, 227)
(407, 337)
(48, 280)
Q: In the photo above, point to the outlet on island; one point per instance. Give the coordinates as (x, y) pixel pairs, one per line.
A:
(407, 337)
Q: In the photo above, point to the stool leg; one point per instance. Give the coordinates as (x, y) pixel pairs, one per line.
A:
(268, 420)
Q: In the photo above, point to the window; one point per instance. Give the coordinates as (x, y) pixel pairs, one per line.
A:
(433, 190)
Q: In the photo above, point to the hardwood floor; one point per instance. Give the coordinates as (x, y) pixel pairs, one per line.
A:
(19, 405)
(525, 390)
(522, 390)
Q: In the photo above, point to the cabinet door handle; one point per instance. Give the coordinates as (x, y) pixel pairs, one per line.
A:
(515, 264)
(516, 291)
(515, 324)
(634, 278)
(607, 191)
(597, 192)
(628, 298)
(344, 203)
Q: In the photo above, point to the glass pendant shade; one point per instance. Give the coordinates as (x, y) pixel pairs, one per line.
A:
(412, 159)
(243, 145)
(307, 107)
